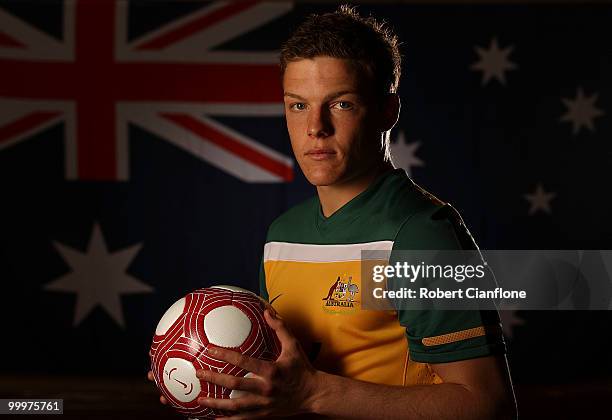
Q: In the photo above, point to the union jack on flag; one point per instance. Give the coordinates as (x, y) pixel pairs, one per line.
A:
(169, 80)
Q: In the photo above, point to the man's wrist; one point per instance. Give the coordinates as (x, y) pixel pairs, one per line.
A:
(318, 387)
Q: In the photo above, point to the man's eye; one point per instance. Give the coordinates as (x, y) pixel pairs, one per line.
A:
(298, 106)
(343, 105)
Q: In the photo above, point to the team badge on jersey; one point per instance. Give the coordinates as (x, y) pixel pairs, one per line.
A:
(342, 295)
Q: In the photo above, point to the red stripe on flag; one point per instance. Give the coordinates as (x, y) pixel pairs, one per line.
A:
(95, 90)
(222, 140)
(228, 83)
(25, 124)
(196, 25)
(7, 41)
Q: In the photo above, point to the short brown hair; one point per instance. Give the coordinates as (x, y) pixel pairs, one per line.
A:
(347, 35)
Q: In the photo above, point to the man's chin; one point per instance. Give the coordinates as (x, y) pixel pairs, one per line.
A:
(322, 179)
(318, 183)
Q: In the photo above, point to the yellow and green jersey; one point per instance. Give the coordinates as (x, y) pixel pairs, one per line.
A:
(311, 273)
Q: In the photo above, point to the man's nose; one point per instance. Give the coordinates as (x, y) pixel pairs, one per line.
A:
(319, 123)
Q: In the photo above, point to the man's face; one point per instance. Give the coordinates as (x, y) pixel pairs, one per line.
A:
(332, 119)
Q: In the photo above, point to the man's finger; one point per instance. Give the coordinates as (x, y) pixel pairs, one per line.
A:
(272, 310)
(245, 362)
(150, 376)
(283, 334)
(253, 385)
(163, 400)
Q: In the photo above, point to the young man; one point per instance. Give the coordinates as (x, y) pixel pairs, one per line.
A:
(340, 77)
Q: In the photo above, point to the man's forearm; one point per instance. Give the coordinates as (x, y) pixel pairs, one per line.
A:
(341, 397)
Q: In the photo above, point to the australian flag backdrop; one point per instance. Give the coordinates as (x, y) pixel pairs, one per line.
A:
(143, 154)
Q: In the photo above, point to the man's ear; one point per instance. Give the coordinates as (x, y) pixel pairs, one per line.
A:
(390, 111)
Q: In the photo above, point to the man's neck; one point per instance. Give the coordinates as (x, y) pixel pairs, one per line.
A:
(333, 197)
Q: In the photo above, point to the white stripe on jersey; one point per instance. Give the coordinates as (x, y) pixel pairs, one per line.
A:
(285, 251)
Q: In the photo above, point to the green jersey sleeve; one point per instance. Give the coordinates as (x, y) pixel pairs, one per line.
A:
(439, 336)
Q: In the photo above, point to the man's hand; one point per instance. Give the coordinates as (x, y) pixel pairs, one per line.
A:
(284, 387)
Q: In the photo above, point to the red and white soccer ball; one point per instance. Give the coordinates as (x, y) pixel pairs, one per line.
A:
(224, 316)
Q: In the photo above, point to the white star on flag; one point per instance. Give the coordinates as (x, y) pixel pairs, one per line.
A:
(404, 154)
(98, 278)
(540, 200)
(494, 62)
(581, 111)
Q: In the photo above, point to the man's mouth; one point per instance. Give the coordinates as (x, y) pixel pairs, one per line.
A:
(320, 154)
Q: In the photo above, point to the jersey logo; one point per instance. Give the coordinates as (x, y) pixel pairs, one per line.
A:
(342, 293)
(272, 301)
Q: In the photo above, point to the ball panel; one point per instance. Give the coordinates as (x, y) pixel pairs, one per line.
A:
(214, 298)
(227, 326)
(253, 343)
(172, 314)
(179, 377)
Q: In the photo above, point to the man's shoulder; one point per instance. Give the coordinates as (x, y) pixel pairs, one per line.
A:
(427, 197)
(421, 200)
(298, 217)
(434, 224)
(408, 201)
(433, 210)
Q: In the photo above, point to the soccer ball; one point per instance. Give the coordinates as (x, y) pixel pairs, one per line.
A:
(224, 316)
